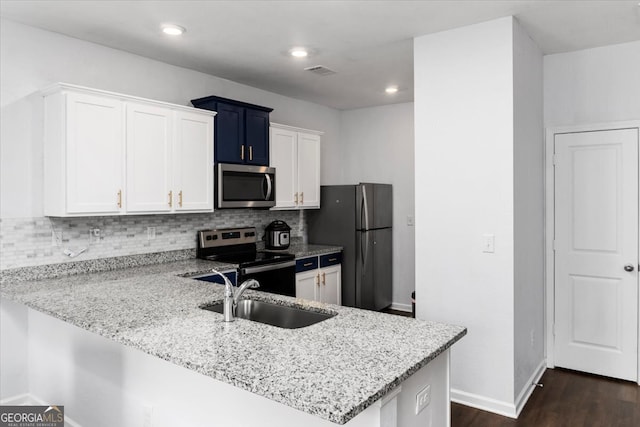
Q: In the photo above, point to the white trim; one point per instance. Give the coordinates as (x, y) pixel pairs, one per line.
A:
(401, 307)
(28, 399)
(549, 224)
(56, 87)
(296, 129)
(526, 392)
(483, 403)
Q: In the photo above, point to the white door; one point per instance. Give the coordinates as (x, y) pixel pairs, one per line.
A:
(193, 162)
(307, 284)
(283, 155)
(596, 241)
(95, 141)
(149, 141)
(309, 170)
(330, 289)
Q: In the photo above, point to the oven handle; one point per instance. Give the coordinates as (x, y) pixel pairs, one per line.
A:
(269, 267)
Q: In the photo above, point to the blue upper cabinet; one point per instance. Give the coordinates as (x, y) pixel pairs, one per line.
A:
(241, 130)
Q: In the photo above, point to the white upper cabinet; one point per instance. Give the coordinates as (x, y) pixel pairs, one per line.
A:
(112, 154)
(193, 162)
(149, 146)
(84, 153)
(295, 153)
(308, 170)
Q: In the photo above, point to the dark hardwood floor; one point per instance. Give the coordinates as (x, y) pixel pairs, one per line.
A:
(567, 399)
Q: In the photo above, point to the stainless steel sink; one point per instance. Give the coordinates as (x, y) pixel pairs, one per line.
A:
(273, 314)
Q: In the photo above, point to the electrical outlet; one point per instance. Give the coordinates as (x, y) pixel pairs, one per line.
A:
(151, 233)
(95, 234)
(423, 398)
(56, 237)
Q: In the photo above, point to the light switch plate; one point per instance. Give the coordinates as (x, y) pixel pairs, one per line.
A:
(488, 243)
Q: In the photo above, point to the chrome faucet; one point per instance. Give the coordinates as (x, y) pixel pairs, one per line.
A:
(231, 299)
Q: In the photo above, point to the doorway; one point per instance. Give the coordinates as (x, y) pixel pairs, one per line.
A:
(592, 249)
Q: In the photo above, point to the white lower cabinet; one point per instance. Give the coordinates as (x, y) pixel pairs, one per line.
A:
(319, 278)
(295, 153)
(112, 154)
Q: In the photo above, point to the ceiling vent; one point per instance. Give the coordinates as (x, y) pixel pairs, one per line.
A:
(320, 70)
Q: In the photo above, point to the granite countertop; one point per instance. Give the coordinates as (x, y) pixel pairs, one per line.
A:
(334, 369)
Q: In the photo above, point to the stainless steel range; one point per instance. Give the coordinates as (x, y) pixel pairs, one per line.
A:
(274, 271)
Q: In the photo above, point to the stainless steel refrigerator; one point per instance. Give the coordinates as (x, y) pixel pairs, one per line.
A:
(358, 218)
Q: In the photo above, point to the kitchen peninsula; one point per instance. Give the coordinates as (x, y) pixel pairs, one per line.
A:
(131, 347)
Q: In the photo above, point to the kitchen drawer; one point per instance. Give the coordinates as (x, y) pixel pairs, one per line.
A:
(306, 264)
(330, 259)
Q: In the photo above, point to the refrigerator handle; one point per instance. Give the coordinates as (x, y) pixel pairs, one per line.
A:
(364, 252)
(365, 210)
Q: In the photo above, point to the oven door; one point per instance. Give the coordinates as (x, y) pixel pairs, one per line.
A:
(277, 278)
(243, 186)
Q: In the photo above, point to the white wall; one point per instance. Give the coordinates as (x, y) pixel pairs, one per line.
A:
(31, 59)
(529, 212)
(464, 189)
(593, 85)
(378, 146)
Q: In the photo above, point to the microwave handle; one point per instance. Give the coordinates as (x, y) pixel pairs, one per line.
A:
(269, 186)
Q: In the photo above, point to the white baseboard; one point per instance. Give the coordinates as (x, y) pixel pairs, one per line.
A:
(483, 403)
(511, 410)
(401, 307)
(30, 399)
(524, 395)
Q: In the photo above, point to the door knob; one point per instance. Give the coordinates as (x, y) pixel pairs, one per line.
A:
(628, 267)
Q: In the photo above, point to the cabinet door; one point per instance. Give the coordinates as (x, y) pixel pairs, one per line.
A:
(94, 154)
(309, 170)
(284, 159)
(257, 137)
(230, 134)
(149, 142)
(331, 285)
(193, 162)
(307, 285)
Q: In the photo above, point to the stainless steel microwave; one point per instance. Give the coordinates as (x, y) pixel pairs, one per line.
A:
(244, 186)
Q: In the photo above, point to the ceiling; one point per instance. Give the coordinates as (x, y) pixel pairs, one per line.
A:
(368, 43)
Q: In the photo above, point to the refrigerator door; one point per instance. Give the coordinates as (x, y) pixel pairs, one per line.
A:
(382, 266)
(373, 269)
(365, 272)
(382, 206)
(374, 204)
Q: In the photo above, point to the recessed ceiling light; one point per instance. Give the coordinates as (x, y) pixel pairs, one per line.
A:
(391, 89)
(173, 30)
(299, 52)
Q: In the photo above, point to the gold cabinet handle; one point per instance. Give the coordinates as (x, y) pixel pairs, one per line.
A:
(295, 197)
(307, 264)
(171, 198)
(324, 282)
(251, 152)
(318, 279)
(302, 198)
(180, 198)
(119, 199)
(242, 152)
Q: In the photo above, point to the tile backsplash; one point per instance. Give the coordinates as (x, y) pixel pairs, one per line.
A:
(28, 242)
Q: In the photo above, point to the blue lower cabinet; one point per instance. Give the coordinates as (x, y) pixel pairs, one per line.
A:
(215, 278)
(306, 264)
